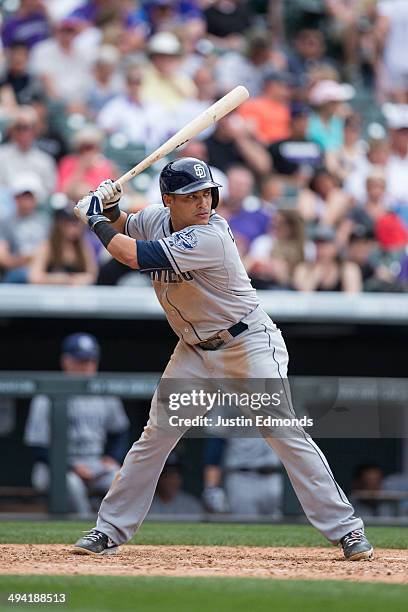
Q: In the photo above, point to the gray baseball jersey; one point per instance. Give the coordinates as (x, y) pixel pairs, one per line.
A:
(205, 287)
(90, 419)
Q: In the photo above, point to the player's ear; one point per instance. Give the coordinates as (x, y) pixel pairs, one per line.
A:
(167, 198)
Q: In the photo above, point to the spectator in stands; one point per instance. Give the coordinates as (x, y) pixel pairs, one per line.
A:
(323, 201)
(242, 476)
(377, 203)
(96, 12)
(262, 56)
(86, 167)
(49, 138)
(272, 258)
(269, 113)
(169, 15)
(243, 210)
(62, 66)
(294, 158)
(397, 167)
(346, 159)
(271, 190)
(162, 79)
(139, 121)
(97, 431)
(17, 86)
(232, 143)
(169, 497)
(28, 26)
(307, 53)
(377, 155)
(391, 31)
(227, 20)
(361, 250)
(21, 234)
(21, 153)
(106, 82)
(327, 272)
(192, 107)
(344, 29)
(65, 258)
(326, 125)
(121, 23)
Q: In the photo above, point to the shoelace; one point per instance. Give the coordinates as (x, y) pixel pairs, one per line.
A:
(93, 536)
(353, 537)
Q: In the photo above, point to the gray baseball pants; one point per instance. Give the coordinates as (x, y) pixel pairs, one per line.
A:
(259, 352)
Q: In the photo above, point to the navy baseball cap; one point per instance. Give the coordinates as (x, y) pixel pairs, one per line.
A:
(82, 347)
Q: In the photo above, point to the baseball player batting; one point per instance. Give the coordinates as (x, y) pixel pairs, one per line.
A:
(223, 332)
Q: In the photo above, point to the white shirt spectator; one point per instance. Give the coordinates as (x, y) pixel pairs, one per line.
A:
(396, 44)
(69, 72)
(139, 122)
(13, 160)
(234, 69)
(397, 179)
(396, 172)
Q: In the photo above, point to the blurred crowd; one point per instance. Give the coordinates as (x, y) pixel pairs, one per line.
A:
(314, 166)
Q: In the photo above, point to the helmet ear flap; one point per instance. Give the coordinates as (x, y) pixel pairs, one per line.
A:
(215, 197)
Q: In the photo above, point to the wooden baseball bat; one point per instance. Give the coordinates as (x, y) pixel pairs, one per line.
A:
(211, 115)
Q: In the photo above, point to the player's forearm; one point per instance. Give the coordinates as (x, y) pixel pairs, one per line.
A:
(123, 249)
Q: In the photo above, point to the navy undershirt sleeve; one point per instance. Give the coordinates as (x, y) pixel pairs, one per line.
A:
(151, 256)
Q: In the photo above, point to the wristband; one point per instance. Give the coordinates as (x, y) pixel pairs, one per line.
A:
(112, 213)
(102, 228)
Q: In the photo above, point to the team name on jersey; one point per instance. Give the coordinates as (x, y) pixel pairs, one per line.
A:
(168, 276)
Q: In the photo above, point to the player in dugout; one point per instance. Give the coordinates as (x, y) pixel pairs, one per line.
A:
(201, 283)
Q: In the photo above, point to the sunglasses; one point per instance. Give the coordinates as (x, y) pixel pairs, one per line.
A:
(87, 147)
(68, 30)
(22, 127)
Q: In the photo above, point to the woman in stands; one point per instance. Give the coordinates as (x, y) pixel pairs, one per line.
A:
(65, 258)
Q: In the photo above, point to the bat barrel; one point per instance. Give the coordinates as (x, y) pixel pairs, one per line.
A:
(211, 115)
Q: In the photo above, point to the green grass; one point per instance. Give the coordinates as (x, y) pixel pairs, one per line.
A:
(176, 594)
(148, 594)
(216, 534)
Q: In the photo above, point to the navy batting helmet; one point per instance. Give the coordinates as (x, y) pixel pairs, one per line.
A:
(186, 175)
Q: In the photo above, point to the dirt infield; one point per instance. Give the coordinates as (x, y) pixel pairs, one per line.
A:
(389, 565)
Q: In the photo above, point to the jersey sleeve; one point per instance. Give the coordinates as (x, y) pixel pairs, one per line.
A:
(135, 226)
(193, 248)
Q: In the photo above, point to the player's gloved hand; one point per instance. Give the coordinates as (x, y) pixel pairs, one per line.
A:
(88, 206)
(215, 500)
(109, 193)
